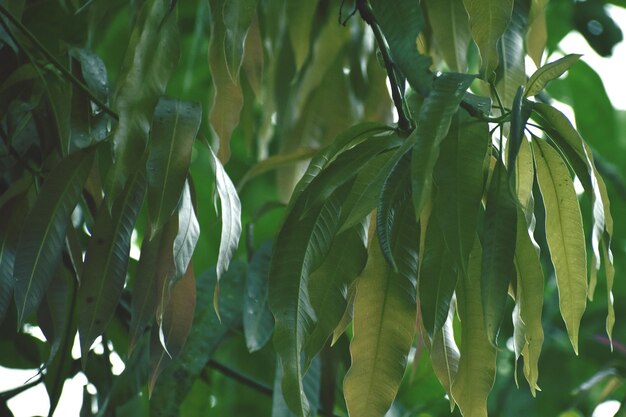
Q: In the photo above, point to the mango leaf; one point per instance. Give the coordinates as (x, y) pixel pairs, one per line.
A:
(609, 271)
(207, 332)
(537, 35)
(253, 57)
(444, 354)
(446, 15)
(529, 298)
(498, 241)
(537, 82)
(300, 15)
(401, 22)
(173, 131)
(488, 21)
(301, 246)
(106, 263)
(237, 19)
(53, 315)
(328, 286)
(42, 238)
(348, 314)
(432, 127)
(228, 96)
(188, 233)
(520, 113)
(564, 233)
(12, 215)
(231, 222)
(511, 71)
(175, 326)
(149, 62)
(276, 161)
(311, 385)
(384, 322)
(258, 323)
(477, 365)
(459, 178)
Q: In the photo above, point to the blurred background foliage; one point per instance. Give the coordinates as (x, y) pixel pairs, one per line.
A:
(308, 79)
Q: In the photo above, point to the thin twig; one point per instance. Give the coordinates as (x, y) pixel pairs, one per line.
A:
(242, 379)
(7, 395)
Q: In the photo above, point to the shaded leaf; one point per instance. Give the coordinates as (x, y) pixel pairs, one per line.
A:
(520, 113)
(511, 71)
(549, 72)
(42, 238)
(258, 323)
(253, 57)
(537, 35)
(237, 19)
(446, 17)
(300, 15)
(311, 386)
(275, 162)
(444, 354)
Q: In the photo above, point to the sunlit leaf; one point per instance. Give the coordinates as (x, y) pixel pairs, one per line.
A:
(446, 16)
(498, 241)
(609, 271)
(42, 238)
(477, 366)
(258, 323)
(173, 131)
(106, 263)
(444, 354)
(537, 36)
(488, 21)
(549, 72)
(564, 234)
(237, 19)
(150, 59)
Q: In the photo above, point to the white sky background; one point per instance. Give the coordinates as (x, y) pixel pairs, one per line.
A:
(35, 400)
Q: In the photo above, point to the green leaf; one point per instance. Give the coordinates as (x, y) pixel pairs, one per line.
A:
(459, 178)
(444, 354)
(231, 221)
(550, 71)
(311, 385)
(564, 233)
(300, 15)
(437, 280)
(432, 127)
(498, 241)
(173, 131)
(511, 71)
(520, 113)
(401, 22)
(53, 315)
(149, 62)
(43, 236)
(277, 161)
(12, 215)
(237, 19)
(106, 263)
(537, 34)
(488, 21)
(384, 322)
(329, 284)
(609, 271)
(446, 17)
(477, 365)
(258, 323)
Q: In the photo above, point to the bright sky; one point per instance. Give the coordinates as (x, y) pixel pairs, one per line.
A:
(35, 400)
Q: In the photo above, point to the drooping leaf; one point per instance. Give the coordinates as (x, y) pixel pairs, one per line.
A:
(42, 238)
(498, 243)
(448, 16)
(311, 386)
(384, 322)
(444, 354)
(253, 57)
(549, 72)
(520, 113)
(488, 21)
(258, 323)
(511, 71)
(237, 19)
(277, 161)
(106, 263)
(150, 60)
(300, 15)
(432, 127)
(477, 365)
(188, 233)
(564, 233)
(173, 131)
(53, 315)
(459, 178)
(537, 35)
(231, 221)
(609, 271)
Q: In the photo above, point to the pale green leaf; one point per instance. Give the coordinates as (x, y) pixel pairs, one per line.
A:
(43, 236)
(564, 233)
(300, 15)
(537, 35)
(609, 271)
(237, 19)
(188, 233)
(173, 131)
(253, 57)
(450, 26)
(537, 82)
(525, 177)
(488, 21)
(258, 323)
(444, 354)
(477, 365)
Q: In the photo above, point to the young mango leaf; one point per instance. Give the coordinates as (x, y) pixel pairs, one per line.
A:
(301, 246)
(188, 233)
(43, 236)
(498, 241)
(446, 14)
(258, 323)
(231, 222)
(432, 127)
(444, 354)
(540, 78)
(437, 280)
(311, 383)
(175, 326)
(300, 15)
(401, 22)
(173, 131)
(477, 365)
(488, 21)
(328, 286)
(237, 18)
(511, 71)
(106, 263)
(459, 178)
(149, 62)
(384, 322)
(207, 332)
(565, 236)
